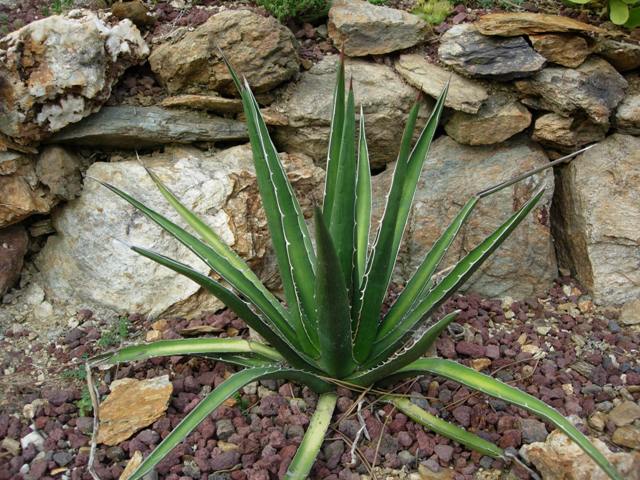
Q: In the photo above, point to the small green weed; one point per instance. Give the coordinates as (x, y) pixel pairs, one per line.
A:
(433, 11)
(116, 334)
(59, 6)
(298, 9)
(84, 404)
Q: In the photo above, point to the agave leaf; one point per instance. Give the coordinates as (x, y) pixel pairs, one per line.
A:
(212, 401)
(186, 346)
(332, 298)
(239, 359)
(261, 298)
(444, 428)
(415, 349)
(305, 457)
(416, 287)
(495, 388)
(618, 12)
(276, 332)
(296, 260)
(363, 207)
(335, 141)
(454, 279)
(344, 205)
(391, 229)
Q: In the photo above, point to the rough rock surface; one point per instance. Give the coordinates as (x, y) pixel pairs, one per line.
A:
(212, 103)
(525, 263)
(361, 28)
(627, 118)
(595, 219)
(128, 126)
(566, 50)
(499, 118)
(567, 133)
(623, 55)
(132, 405)
(307, 104)
(59, 169)
(13, 246)
(87, 264)
(259, 48)
(464, 94)
(60, 69)
(512, 24)
(595, 88)
(630, 314)
(558, 458)
(471, 53)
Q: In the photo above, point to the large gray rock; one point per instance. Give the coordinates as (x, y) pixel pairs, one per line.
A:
(567, 133)
(259, 48)
(596, 219)
(469, 52)
(60, 69)
(525, 264)
(86, 263)
(127, 126)
(307, 106)
(464, 94)
(595, 88)
(628, 113)
(361, 28)
(500, 118)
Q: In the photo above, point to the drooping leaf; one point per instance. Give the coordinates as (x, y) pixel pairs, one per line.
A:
(332, 298)
(495, 388)
(305, 457)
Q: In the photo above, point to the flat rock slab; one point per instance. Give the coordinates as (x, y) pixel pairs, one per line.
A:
(567, 133)
(596, 219)
(497, 120)
(525, 264)
(211, 103)
(464, 94)
(471, 53)
(525, 23)
(139, 127)
(132, 405)
(563, 49)
(594, 88)
(361, 28)
(622, 54)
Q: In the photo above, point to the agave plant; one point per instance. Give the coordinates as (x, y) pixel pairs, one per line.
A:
(331, 332)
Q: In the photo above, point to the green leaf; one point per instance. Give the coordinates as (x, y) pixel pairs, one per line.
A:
(273, 332)
(580, 2)
(334, 319)
(618, 12)
(335, 142)
(418, 284)
(363, 207)
(634, 18)
(305, 457)
(444, 428)
(394, 221)
(343, 213)
(495, 388)
(452, 281)
(289, 233)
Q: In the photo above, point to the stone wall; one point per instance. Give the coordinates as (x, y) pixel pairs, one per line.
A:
(523, 88)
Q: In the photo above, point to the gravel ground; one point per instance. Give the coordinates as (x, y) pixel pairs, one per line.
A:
(560, 348)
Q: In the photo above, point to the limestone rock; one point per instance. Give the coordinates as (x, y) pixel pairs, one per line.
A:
(87, 263)
(628, 113)
(212, 103)
(566, 50)
(627, 436)
(59, 170)
(361, 28)
(596, 219)
(259, 48)
(307, 105)
(594, 88)
(630, 314)
(132, 405)
(558, 458)
(567, 133)
(622, 54)
(464, 94)
(469, 52)
(499, 118)
(127, 126)
(512, 24)
(60, 69)
(625, 413)
(13, 247)
(525, 264)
